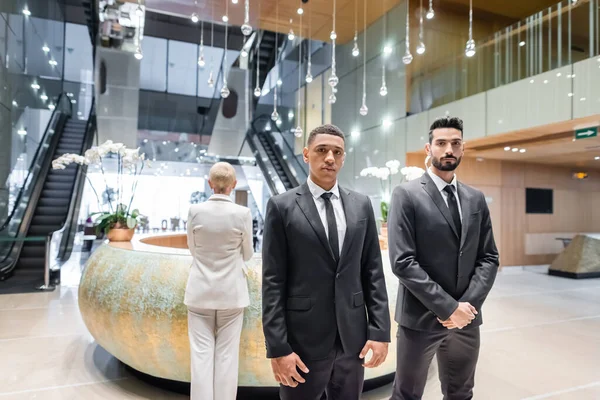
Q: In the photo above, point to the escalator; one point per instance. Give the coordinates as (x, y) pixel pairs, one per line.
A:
(53, 205)
(275, 158)
(41, 226)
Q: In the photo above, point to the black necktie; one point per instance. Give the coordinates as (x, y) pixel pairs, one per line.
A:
(453, 206)
(331, 225)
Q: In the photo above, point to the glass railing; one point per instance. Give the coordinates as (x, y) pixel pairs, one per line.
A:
(11, 226)
(560, 35)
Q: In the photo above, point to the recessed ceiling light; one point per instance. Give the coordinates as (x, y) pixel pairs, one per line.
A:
(507, 148)
(596, 158)
(531, 81)
(545, 81)
(582, 99)
(558, 74)
(514, 150)
(570, 95)
(522, 43)
(522, 151)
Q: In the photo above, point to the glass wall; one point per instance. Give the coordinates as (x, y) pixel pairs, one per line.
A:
(41, 57)
(560, 35)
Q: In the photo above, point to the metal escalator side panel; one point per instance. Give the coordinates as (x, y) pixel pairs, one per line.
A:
(28, 203)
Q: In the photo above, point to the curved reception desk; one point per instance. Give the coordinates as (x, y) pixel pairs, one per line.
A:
(131, 299)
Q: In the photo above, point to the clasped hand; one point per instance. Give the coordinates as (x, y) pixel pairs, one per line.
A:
(461, 317)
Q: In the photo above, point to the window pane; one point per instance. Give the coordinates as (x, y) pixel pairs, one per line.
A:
(79, 65)
(153, 71)
(182, 67)
(39, 33)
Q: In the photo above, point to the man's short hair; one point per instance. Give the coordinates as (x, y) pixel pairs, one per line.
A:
(222, 176)
(446, 122)
(327, 129)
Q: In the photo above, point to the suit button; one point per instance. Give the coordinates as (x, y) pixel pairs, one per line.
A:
(337, 276)
(460, 254)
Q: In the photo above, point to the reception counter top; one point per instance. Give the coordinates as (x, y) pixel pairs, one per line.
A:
(131, 299)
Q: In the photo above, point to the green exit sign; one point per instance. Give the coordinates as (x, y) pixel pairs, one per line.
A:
(586, 133)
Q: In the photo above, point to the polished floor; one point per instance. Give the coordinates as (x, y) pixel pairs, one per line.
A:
(540, 340)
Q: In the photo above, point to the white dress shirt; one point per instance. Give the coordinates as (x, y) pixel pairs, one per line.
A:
(338, 209)
(441, 184)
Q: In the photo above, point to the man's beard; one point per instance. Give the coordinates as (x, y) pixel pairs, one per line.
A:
(436, 162)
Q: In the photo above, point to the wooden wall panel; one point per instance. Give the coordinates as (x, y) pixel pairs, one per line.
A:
(576, 202)
(513, 226)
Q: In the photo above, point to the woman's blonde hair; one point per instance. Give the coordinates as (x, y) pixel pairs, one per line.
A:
(222, 177)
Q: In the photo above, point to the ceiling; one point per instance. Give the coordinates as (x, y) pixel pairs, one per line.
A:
(559, 150)
(275, 15)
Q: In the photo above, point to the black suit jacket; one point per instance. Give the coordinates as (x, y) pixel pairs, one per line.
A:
(435, 268)
(307, 297)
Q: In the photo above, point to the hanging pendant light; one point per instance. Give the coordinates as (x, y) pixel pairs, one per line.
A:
(291, 35)
(355, 49)
(194, 16)
(407, 58)
(275, 114)
(309, 77)
(211, 80)
(333, 79)
(246, 27)
(298, 132)
(470, 47)
(383, 90)
(364, 110)
(201, 62)
(430, 13)
(225, 90)
(421, 45)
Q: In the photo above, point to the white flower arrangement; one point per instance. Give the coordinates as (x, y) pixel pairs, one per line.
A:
(119, 215)
(392, 167)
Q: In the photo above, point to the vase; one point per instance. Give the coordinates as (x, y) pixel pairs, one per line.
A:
(383, 236)
(120, 234)
(384, 229)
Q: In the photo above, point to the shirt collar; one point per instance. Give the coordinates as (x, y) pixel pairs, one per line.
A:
(440, 183)
(220, 197)
(317, 191)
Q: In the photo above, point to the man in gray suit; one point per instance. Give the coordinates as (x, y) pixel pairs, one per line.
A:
(442, 249)
(324, 297)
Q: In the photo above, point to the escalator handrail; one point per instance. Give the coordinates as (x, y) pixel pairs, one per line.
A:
(67, 231)
(10, 261)
(37, 152)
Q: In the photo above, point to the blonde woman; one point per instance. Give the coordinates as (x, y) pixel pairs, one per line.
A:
(219, 234)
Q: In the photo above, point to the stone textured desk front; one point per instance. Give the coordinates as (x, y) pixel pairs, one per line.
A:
(131, 300)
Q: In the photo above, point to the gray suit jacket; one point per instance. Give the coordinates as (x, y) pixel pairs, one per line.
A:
(308, 297)
(435, 268)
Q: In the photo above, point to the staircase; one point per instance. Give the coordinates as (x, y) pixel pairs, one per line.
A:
(53, 206)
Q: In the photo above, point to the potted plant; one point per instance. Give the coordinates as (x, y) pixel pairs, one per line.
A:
(119, 221)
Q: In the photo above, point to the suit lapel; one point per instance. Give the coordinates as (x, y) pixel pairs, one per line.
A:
(351, 222)
(436, 196)
(465, 206)
(307, 205)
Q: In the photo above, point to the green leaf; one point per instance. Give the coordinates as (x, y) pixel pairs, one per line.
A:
(135, 213)
(131, 223)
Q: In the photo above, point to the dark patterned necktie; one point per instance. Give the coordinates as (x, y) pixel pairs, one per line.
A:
(331, 225)
(453, 206)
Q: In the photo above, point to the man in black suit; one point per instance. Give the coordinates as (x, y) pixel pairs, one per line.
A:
(324, 296)
(442, 249)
